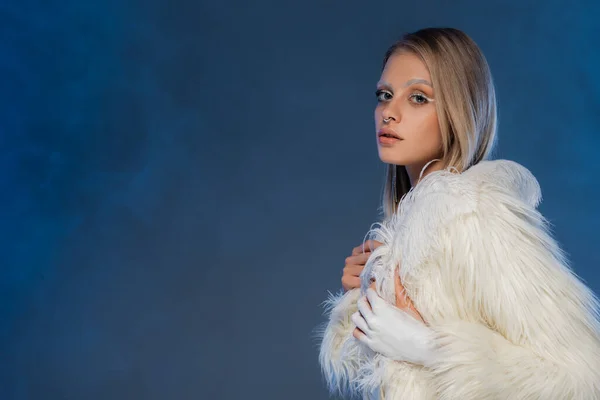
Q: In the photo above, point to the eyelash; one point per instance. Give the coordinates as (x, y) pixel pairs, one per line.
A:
(413, 94)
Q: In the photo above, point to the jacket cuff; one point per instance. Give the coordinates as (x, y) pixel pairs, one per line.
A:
(340, 353)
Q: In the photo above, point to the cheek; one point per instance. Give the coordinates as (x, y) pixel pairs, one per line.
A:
(431, 130)
(377, 113)
(424, 134)
(434, 135)
(417, 123)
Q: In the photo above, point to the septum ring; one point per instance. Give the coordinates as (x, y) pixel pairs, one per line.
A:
(386, 120)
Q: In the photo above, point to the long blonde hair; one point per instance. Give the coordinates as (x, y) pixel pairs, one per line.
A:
(465, 103)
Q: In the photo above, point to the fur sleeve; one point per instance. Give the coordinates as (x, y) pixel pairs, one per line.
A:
(534, 331)
(340, 355)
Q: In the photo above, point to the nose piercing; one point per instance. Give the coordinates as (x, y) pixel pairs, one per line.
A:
(386, 120)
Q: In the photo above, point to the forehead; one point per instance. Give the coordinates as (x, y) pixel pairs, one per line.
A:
(401, 67)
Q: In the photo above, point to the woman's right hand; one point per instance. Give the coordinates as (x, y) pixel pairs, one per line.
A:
(355, 264)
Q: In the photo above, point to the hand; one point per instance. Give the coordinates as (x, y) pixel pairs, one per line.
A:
(391, 331)
(356, 263)
(404, 302)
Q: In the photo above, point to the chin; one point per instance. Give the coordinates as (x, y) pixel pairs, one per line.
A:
(405, 156)
(388, 157)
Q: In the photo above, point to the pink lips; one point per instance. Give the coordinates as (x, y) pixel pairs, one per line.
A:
(388, 140)
(387, 136)
(387, 131)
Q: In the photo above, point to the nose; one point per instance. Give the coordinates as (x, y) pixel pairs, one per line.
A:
(389, 114)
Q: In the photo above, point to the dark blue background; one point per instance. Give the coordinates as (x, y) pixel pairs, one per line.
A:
(181, 180)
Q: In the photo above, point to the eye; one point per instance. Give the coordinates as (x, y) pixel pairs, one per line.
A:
(379, 94)
(420, 98)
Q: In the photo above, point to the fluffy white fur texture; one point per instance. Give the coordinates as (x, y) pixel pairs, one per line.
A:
(511, 318)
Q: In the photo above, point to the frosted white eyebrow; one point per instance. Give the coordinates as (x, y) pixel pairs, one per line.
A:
(410, 82)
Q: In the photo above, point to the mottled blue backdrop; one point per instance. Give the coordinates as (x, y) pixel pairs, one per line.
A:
(181, 181)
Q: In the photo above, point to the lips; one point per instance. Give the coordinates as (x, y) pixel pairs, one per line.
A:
(387, 132)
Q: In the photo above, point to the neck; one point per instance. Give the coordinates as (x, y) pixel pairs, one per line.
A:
(415, 170)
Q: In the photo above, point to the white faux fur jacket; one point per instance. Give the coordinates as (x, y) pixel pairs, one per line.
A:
(511, 319)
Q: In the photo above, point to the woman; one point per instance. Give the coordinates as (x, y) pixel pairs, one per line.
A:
(464, 294)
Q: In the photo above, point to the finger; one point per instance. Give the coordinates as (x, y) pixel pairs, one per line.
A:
(353, 269)
(373, 285)
(362, 337)
(360, 249)
(360, 323)
(358, 334)
(358, 259)
(372, 244)
(350, 282)
(366, 247)
(365, 309)
(374, 300)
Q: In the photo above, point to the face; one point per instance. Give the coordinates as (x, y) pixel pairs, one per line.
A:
(405, 97)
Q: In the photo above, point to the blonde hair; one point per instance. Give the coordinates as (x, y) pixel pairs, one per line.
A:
(465, 103)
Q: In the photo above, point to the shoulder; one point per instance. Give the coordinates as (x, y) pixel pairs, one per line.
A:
(494, 189)
(446, 206)
(505, 177)
(485, 183)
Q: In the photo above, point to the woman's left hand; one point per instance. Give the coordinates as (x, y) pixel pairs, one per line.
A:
(399, 334)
